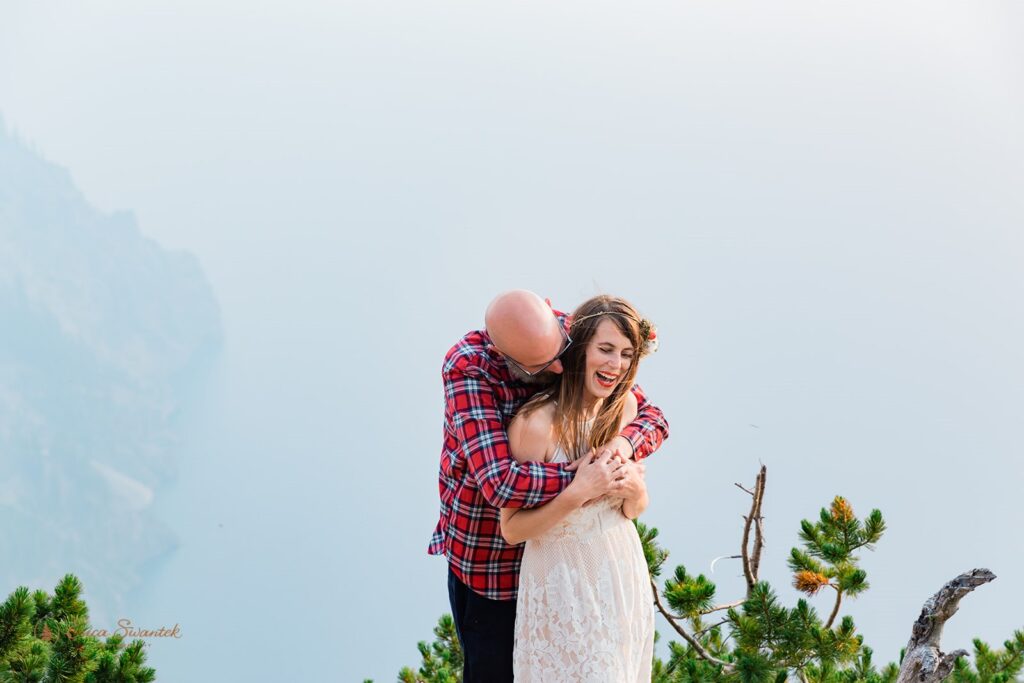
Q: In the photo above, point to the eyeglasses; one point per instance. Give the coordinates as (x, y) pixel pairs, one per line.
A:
(520, 368)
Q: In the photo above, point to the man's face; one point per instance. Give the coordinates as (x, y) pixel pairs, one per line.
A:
(543, 371)
(541, 379)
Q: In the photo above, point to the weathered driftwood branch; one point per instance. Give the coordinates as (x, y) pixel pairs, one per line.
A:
(923, 661)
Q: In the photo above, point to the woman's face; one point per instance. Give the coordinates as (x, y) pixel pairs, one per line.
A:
(609, 355)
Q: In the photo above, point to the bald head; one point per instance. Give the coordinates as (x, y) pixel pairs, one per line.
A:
(523, 327)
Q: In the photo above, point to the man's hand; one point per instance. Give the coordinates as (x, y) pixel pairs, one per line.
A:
(619, 445)
(630, 483)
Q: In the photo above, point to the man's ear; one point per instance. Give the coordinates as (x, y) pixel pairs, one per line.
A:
(548, 302)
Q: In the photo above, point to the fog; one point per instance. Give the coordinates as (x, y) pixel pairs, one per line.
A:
(818, 205)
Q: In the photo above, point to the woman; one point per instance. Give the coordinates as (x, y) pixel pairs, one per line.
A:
(584, 608)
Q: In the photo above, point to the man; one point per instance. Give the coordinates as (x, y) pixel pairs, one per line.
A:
(487, 375)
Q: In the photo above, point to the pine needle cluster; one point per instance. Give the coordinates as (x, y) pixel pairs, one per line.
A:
(43, 639)
(441, 661)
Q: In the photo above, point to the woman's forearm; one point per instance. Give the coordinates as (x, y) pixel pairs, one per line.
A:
(634, 507)
(519, 525)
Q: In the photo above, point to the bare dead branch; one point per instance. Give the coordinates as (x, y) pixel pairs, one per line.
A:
(752, 561)
(693, 642)
(755, 558)
(746, 557)
(719, 608)
(708, 628)
(751, 558)
(743, 487)
(703, 613)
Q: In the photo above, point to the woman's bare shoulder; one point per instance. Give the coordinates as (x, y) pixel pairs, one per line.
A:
(531, 436)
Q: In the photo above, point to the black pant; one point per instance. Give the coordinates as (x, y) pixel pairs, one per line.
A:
(486, 631)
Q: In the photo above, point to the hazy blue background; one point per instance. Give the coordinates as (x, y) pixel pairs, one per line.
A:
(818, 203)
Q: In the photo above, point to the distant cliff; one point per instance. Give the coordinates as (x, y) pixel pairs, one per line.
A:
(102, 334)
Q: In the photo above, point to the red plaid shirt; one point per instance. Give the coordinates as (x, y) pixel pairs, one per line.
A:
(478, 474)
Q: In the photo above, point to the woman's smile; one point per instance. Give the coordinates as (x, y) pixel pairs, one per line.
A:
(609, 357)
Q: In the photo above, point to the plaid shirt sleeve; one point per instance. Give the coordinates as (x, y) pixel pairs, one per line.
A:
(647, 432)
(480, 430)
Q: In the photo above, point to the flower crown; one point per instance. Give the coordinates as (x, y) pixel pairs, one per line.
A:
(648, 332)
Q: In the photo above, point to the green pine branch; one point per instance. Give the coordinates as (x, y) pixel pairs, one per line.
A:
(43, 640)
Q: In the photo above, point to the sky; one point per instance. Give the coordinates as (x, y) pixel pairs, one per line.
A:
(818, 204)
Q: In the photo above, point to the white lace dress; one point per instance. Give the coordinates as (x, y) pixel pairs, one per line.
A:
(585, 612)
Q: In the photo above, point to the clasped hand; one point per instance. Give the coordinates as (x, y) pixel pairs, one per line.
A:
(606, 471)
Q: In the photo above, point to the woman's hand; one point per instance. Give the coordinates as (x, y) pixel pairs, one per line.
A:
(596, 475)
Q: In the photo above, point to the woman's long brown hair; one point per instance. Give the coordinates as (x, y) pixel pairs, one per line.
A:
(568, 392)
